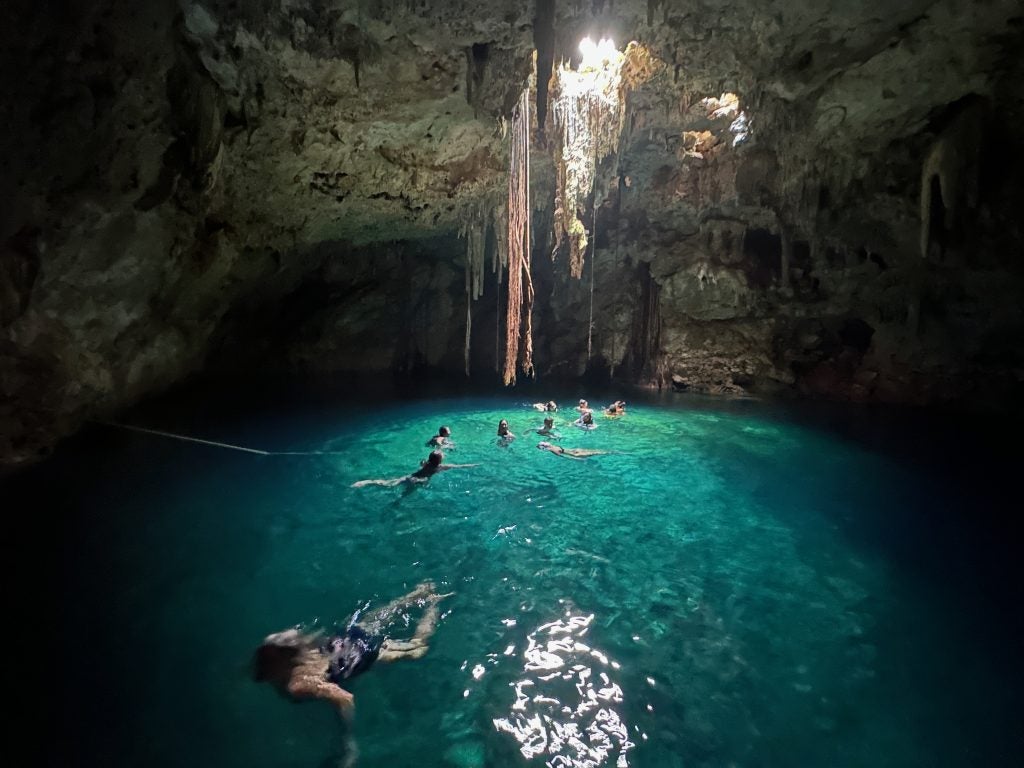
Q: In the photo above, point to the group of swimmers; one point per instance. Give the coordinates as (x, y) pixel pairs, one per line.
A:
(442, 441)
(308, 665)
(434, 463)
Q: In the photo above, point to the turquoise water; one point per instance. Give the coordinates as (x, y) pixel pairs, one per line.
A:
(729, 586)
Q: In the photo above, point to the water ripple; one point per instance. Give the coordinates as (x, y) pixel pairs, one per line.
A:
(565, 707)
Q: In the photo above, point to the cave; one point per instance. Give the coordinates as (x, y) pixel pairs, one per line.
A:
(250, 251)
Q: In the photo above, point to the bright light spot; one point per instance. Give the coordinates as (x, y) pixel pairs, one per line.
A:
(726, 105)
(568, 715)
(599, 55)
(740, 128)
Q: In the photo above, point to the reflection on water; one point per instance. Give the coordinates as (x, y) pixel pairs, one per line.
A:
(565, 702)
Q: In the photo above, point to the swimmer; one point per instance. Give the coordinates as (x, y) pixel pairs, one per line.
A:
(504, 433)
(429, 468)
(548, 430)
(618, 408)
(304, 666)
(442, 439)
(583, 407)
(572, 453)
(548, 407)
(585, 421)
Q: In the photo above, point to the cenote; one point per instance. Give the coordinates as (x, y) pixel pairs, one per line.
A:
(253, 252)
(735, 583)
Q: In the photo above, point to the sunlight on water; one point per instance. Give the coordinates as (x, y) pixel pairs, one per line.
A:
(563, 706)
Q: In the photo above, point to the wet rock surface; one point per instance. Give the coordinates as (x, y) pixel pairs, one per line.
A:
(282, 184)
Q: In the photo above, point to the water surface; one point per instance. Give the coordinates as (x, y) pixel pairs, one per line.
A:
(733, 584)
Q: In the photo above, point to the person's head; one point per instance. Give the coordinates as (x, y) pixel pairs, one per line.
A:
(588, 418)
(444, 432)
(551, 406)
(274, 659)
(583, 403)
(503, 427)
(435, 458)
(549, 423)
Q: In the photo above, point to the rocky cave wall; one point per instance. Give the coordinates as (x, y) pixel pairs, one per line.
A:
(257, 183)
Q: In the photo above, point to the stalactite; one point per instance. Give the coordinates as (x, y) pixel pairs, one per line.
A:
(593, 266)
(499, 259)
(474, 232)
(518, 242)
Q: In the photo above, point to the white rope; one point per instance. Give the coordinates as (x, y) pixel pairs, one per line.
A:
(214, 443)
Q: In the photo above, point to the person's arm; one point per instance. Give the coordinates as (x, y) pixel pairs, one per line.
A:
(308, 687)
(457, 466)
(385, 483)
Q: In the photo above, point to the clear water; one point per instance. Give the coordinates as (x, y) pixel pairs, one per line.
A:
(731, 586)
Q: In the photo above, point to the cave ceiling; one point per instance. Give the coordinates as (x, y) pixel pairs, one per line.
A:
(178, 176)
(369, 120)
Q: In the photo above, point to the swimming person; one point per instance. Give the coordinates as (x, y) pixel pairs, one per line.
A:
(548, 407)
(572, 453)
(429, 468)
(618, 408)
(442, 439)
(503, 432)
(304, 666)
(585, 421)
(548, 430)
(583, 407)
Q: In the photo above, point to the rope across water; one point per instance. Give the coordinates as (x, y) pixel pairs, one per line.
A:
(214, 443)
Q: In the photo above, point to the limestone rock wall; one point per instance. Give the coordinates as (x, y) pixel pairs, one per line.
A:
(281, 182)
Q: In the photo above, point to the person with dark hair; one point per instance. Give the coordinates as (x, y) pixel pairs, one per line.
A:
(618, 408)
(442, 439)
(504, 435)
(549, 406)
(303, 665)
(433, 464)
(570, 453)
(586, 420)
